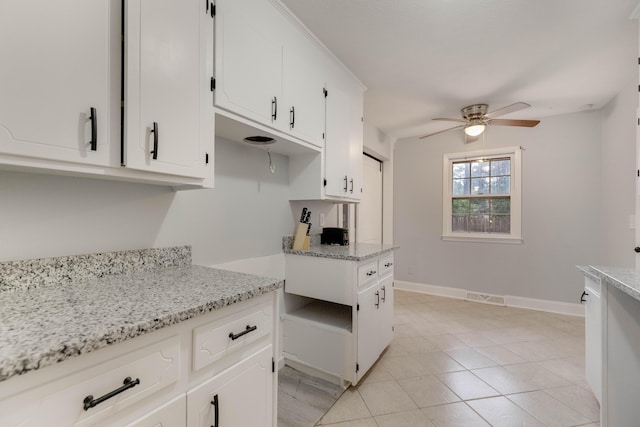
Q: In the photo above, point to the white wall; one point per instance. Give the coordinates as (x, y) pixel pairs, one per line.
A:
(245, 216)
(561, 195)
(618, 178)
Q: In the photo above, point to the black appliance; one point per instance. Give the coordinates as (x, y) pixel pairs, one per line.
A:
(334, 236)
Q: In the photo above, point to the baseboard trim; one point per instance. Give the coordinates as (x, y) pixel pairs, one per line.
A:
(550, 306)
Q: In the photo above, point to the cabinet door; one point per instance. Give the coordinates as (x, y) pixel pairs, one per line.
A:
(171, 414)
(169, 112)
(386, 313)
(249, 60)
(593, 337)
(338, 134)
(304, 89)
(241, 396)
(59, 60)
(356, 146)
(368, 328)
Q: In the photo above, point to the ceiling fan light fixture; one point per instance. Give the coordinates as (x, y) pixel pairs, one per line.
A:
(474, 128)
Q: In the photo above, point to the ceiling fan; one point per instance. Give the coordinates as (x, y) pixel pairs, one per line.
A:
(476, 119)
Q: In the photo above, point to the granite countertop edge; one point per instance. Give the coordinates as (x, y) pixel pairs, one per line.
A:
(358, 252)
(625, 279)
(214, 289)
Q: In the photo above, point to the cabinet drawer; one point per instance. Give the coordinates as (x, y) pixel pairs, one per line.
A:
(385, 266)
(63, 402)
(367, 273)
(171, 414)
(216, 339)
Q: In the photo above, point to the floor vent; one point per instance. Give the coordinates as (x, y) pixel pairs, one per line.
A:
(485, 298)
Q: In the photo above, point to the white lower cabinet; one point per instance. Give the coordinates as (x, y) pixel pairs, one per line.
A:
(240, 396)
(342, 317)
(171, 414)
(156, 380)
(593, 336)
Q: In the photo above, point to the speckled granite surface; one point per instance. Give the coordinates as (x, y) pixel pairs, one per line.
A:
(42, 326)
(354, 252)
(36, 273)
(625, 279)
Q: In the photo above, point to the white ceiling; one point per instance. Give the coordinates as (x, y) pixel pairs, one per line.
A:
(422, 59)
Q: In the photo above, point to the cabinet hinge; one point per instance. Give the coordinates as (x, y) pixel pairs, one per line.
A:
(393, 328)
(324, 181)
(357, 367)
(213, 84)
(206, 158)
(273, 365)
(213, 10)
(322, 135)
(325, 91)
(357, 307)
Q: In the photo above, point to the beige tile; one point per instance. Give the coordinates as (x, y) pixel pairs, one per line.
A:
(470, 358)
(474, 339)
(403, 346)
(437, 362)
(535, 373)
(376, 374)
(367, 422)
(504, 381)
(467, 386)
(547, 409)
(417, 365)
(447, 342)
(453, 415)
(566, 368)
(427, 391)
(579, 399)
(349, 407)
(415, 418)
(501, 412)
(501, 355)
(535, 351)
(385, 397)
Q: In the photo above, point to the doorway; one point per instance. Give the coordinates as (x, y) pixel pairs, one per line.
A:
(369, 211)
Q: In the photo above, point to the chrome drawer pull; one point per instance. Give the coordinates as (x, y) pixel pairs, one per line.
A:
(245, 332)
(90, 402)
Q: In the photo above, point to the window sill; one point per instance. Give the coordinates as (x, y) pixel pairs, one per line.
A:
(483, 239)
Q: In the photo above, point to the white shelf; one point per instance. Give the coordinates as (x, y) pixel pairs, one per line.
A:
(325, 313)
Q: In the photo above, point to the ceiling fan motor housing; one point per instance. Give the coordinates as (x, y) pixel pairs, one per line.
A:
(475, 111)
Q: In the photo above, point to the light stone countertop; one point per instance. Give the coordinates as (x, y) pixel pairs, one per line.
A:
(354, 252)
(625, 279)
(43, 325)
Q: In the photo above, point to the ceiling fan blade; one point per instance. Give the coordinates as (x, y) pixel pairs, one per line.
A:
(448, 119)
(514, 122)
(506, 110)
(442, 131)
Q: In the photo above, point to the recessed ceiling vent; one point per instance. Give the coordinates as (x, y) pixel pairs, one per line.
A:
(259, 140)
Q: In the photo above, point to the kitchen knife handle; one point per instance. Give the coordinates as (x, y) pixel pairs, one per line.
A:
(154, 131)
(303, 216)
(94, 129)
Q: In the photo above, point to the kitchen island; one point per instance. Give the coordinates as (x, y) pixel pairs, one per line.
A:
(135, 338)
(620, 350)
(338, 309)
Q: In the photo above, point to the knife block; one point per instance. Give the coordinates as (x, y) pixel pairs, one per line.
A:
(300, 239)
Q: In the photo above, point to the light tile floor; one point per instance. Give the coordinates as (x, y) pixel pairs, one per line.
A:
(459, 363)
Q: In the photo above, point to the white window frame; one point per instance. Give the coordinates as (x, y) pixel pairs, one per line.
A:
(515, 236)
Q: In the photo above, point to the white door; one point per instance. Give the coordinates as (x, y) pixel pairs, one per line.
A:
(369, 223)
(241, 396)
(169, 111)
(59, 61)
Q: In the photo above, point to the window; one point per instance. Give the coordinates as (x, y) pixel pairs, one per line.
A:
(481, 196)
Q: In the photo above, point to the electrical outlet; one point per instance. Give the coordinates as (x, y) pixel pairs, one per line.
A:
(321, 220)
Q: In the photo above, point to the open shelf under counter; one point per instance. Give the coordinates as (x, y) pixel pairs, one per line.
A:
(325, 314)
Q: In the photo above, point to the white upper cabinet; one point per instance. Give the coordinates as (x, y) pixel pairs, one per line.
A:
(60, 62)
(268, 70)
(249, 36)
(169, 117)
(304, 88)
(343, 145)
